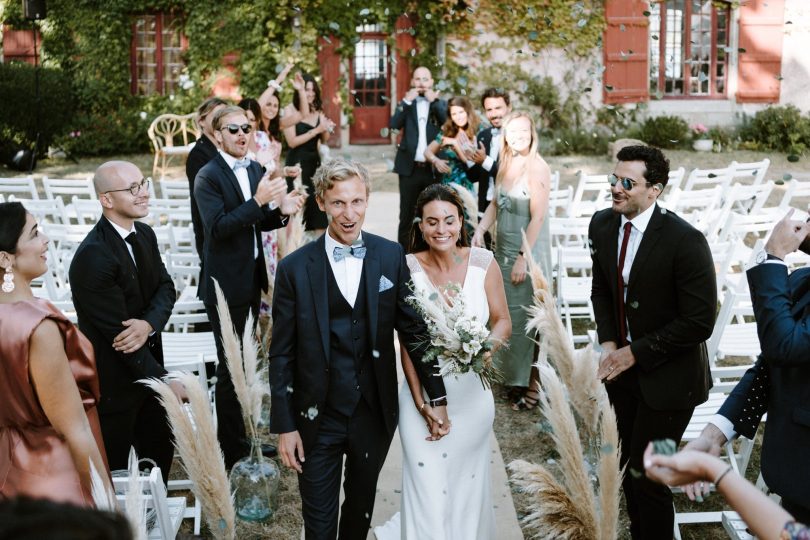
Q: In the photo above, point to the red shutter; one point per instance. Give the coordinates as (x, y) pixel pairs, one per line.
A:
(329, 62)
(405, 43)
(19, 45)
(626, 45)
(760, 60)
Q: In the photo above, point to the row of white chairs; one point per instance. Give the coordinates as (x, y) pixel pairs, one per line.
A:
(48, 188)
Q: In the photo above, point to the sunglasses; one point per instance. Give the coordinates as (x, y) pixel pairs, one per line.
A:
(134, 189)
(627, 183)
(233, 129)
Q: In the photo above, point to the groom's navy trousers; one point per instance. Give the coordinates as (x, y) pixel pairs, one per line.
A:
(351, 424)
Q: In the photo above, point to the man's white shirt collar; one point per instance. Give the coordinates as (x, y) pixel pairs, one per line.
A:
(229, 159)
(330, 243)
(122, 231)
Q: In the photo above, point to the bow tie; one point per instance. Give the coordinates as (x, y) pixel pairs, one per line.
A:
(495, 131)
(358, 249)
(243, 163)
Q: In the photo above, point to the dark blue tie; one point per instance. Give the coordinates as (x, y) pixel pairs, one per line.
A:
(358, 249)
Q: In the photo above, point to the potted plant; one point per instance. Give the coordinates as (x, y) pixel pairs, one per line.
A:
(700, 139)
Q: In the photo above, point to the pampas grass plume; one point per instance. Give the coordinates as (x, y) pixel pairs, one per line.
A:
(135, 504)
(102, 498)
(470, 203)
(200, 454)
(609, 474)
(553, 514)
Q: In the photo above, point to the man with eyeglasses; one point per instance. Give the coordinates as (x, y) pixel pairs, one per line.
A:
(654, 296)
(237, 201)
(419, 117)
(123, 297)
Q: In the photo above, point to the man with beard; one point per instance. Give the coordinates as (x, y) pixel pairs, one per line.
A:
(495, 102)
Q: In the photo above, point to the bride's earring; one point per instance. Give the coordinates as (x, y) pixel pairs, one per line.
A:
(8, 281)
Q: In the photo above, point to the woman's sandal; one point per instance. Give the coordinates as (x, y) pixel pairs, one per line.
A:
(528, 402)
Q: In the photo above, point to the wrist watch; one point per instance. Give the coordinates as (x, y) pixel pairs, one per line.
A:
(441, 402)
(763, 256)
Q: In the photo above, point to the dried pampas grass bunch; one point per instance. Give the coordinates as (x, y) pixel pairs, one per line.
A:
(102, 497)
(135, 504)
(571, 507)
(293, 236)
(250, 382)
(195, 438)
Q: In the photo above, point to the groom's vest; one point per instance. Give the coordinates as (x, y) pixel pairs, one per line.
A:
(350, 372)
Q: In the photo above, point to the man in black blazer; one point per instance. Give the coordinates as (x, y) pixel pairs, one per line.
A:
(496, 104)
(203, 151)
(419, 116)
(779, 381)
(123, 298)
(336, 304)
(655, 297)
(236, 203)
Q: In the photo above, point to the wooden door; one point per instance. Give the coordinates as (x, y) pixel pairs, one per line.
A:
(370, 90)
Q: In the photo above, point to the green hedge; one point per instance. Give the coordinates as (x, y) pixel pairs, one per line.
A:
(18, 105)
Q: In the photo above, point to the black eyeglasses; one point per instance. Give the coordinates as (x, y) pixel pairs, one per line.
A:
(627, 183)
(134, 189)
(233, 129)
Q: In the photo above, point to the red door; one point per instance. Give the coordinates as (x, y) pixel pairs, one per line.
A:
(370, 90)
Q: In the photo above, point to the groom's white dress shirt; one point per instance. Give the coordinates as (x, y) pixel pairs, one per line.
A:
(347, 271)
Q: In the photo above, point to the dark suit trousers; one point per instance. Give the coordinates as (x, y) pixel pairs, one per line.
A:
(230, 425)
(144, 426)
(409, 189)
(364, 440)
(649, 504)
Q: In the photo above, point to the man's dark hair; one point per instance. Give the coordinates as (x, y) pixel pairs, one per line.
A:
(495, 93)
(656, 165)
(12, 223)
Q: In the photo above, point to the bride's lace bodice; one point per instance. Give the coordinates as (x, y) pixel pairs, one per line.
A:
(475, 297)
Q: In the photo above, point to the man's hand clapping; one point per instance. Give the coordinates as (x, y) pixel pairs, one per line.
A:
(269, 190)
(787, 236)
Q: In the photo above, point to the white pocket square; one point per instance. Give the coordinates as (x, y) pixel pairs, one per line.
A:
(385, 284)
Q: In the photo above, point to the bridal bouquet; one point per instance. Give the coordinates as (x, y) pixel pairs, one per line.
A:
(458, 341)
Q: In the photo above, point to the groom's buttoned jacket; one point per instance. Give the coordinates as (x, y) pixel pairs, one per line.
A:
(300, 360)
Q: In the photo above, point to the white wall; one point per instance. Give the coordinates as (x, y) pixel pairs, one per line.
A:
(796, 55)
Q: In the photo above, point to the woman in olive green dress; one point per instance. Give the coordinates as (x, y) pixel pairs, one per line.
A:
(520, 204)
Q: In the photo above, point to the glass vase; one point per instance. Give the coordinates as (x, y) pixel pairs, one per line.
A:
(254, 483)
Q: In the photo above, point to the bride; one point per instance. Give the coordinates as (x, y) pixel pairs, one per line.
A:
(445, 479)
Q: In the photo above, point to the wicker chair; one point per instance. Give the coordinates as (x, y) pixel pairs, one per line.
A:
(171, 135)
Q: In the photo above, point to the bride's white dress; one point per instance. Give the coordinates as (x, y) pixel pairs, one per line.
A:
(446, 484)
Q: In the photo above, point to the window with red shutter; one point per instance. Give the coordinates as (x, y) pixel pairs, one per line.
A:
(689, 49)
(157, 46)
(760, 64)
(625, 51)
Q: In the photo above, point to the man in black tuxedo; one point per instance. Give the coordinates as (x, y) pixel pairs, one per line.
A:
(336, 304)
(203, 151)
(236, 203)
(495, 102)
(419, 116)
(655, 297)
(779, 381)
(123, 298)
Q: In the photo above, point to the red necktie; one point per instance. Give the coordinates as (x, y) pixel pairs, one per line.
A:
(622, 320)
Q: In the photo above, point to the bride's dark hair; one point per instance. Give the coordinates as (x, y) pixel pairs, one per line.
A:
(436, 192)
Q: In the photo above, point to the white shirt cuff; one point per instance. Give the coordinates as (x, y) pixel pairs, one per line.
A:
(406, 102)
(470, 164)
(775, 261)
(488, 163)
(723, 424)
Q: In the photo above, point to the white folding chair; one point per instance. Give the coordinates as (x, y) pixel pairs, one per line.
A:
(559, 201)
(169, 511)
(86, 211)
(69, 187)
(174, 211)
(174, 189)
(44, 210)
(568, 231)
(709, 178)
(574, 291)
(592, 194)
(23, 187)
(697, 207)
(755, 171)
(184, 268)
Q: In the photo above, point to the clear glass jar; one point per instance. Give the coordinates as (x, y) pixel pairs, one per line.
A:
(255, 484)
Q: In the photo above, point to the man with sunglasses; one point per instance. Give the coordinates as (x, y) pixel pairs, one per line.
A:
(654, 295)
(237, 201)
(123, 297)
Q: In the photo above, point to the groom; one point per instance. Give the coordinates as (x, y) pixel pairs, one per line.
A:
(337, 302)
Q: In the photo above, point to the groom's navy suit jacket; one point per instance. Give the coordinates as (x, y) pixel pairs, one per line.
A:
(779, 382)
(299, 351)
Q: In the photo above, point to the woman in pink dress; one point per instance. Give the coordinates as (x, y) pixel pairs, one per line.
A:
(49, 429)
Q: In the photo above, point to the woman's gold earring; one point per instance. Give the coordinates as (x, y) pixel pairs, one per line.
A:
(8, 281)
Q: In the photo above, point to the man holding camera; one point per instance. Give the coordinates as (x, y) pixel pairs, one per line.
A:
(419, 116)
